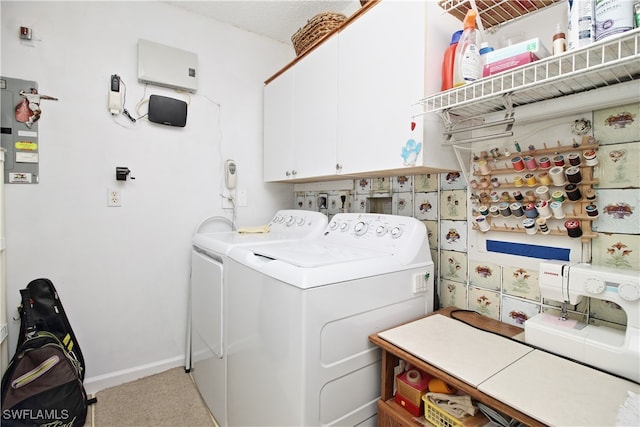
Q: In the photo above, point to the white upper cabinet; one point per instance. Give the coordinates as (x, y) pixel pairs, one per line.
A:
(354, 99)
(300, 117)
(277, 128)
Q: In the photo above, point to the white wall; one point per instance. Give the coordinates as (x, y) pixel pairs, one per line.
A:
(123, 272)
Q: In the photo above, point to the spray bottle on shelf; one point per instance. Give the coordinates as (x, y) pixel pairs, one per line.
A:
(449, 60)
(468, 65)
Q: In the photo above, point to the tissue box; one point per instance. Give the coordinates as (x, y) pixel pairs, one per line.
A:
(411, 385)
(508, 63)
(534, 46)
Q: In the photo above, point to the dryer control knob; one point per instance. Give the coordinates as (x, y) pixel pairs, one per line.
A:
(333, 225)
(344, 226)
(301, 221)
(396, 232)
(290, 220)
(381, 230)
(360, 228)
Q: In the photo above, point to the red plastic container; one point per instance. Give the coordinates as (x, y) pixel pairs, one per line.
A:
(447, 63)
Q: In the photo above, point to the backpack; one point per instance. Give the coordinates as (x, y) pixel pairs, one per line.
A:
(48, 315)
(43, 384)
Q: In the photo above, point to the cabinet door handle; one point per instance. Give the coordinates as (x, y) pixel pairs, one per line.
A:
(287, 173)
(294, 172)
(338, 166)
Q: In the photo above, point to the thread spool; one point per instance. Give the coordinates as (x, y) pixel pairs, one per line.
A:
(493, 211)
(573, 192)
(531, 196)
(573, 228)
(518, 195)
(590, 158)
(473, 183)
(517, 181)
(530, 179)
(557, 176)
(542, 193)
(517, 163)
(484, 167)
(484, 197)
(505, 196)
(530, 210)
(590, 194)
(592, 211)
(495, 197)
(558, 161)
(542, 225)
(545, 163)
(484, 183)
(543, 209)
(529, 225)
(482, 223)
(504, 209)
(484, 210)
(557, 209)
(530, 163)
(557, 196)
(574, 159)
(573, 175)
(495, 183)
(516, 209)
(544, 178)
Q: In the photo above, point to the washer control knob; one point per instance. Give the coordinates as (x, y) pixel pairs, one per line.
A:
(344, 226)
(381, 230)
(333, 225)
(629, 291)
(396, 232)
(360, 228)
(593, 285)
(301, 221)
(289, 221)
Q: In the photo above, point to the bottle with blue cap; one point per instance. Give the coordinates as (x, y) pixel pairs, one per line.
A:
(448, 62)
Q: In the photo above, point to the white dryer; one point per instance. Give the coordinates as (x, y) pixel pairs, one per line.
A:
(300, 314)
(207, 359)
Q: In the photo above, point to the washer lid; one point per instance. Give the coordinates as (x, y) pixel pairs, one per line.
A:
(312, 253)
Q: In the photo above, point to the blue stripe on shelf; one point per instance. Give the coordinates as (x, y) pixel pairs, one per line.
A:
(531, 251)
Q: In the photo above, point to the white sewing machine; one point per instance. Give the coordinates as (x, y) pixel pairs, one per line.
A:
(612, 350)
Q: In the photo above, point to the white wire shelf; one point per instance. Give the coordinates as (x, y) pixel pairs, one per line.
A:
(494, 13)
(604, 63)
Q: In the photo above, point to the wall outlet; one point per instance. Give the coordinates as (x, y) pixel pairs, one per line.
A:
(114, 198)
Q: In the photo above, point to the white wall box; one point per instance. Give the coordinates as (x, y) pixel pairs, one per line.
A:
(361, 125)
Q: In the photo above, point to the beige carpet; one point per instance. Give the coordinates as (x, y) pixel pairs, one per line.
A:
(169, 399)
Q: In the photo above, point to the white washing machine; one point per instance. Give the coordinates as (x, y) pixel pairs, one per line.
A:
(207, 358)
(300, 314)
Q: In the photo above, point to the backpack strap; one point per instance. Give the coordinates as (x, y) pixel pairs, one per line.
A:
(27, 312)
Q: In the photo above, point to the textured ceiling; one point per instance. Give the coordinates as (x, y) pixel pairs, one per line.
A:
(276, 19)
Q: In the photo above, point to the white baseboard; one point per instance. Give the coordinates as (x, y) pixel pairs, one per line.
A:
(94, 384)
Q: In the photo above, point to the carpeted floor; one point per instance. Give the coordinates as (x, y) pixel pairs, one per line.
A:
(169, 399)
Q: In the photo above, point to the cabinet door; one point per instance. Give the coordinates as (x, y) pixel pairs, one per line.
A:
(316, 111)
(278, 131)
(380, 77)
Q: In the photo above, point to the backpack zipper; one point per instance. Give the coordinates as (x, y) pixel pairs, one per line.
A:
(35, 373)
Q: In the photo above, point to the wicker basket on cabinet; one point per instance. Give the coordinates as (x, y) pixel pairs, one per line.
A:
(316, 29)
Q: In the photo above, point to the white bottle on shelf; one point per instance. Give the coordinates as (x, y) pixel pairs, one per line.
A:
(468, 64)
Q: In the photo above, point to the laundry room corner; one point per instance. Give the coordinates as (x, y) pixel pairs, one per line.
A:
(123, 271)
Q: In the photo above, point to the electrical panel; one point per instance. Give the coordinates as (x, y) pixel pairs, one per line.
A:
(18, 120)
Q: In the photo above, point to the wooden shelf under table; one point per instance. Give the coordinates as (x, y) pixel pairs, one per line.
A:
(392, 415)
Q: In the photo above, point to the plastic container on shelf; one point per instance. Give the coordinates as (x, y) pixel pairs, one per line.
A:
(581, 24)
(449, 60)
(468, 64)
